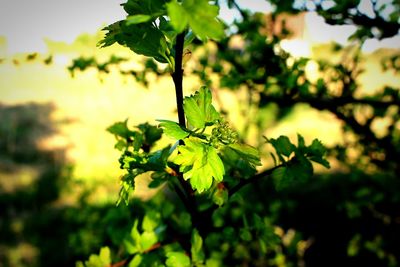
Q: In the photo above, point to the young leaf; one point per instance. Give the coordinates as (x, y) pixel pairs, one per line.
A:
(173, 129)
(199, 110)
(151, 220)
(177, 259)
(147, 240)
(178, 15)
(199, 163)
(103, 259)
(197, 248)
(199, 14)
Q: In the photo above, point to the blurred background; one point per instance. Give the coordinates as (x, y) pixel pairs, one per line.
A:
(59, 171)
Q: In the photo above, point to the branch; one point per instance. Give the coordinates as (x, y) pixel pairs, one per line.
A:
(253, 179)
(177, 76)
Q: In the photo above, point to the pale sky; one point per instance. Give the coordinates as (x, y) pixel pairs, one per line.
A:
(25, 23)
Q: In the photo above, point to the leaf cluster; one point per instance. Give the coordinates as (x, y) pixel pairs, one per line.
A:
(151, 27)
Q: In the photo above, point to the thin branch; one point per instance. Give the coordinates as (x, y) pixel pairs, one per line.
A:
(177, 76)
(253, 179)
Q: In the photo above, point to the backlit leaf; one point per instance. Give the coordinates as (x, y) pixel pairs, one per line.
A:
(173, 129)
(200, 164)
(199, 110)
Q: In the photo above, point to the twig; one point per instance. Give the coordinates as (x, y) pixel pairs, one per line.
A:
(253, 179)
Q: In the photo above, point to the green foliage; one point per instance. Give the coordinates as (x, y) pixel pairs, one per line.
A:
(199, 110)
(178, 259)
(208, 166)
(173, 129)
(101, 260)
(199, 15)
(297, 168)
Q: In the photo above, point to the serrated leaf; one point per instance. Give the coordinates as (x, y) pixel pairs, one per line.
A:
(199, 14)
(143, 39)
(177, 259)
(282, 145)
(316, 152)
(199, 110)
(248, 153)
(173, 129)
(147, 7)
(197, 248)
(316, 148)
(120, 129)
(200, 164)
(178, 15)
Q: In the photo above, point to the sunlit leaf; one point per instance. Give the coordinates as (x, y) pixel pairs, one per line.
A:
(177, 259)
(199, 110)
(200, 164)
(173, 129)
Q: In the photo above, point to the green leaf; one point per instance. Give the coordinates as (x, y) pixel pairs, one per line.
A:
(127, 186)
(173, 129)
(316, 152)
(220, 196)
(132, 242)
(121, 145)
(200, 15)
(282, 145)
(298, 170)
(151, 220)
(177, 259)
(178, 15)
(199, 110)
(199, 163)
(120, 129)
(101, 260)
(136, 261)
(247, 153)
(143, 39)
(157, 161)
(197, 248)
(137, 19)
(146, 7)
(147, 240)
(300, 142)
(150, 132)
